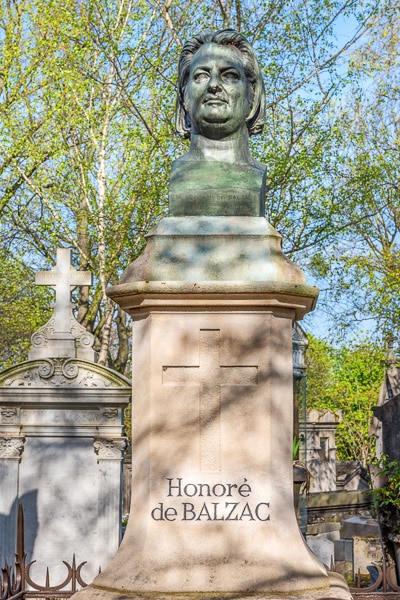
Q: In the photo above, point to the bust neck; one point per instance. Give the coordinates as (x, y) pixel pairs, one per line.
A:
(230, 151)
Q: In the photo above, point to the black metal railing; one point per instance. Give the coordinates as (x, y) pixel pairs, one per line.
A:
(385, 582)
(16, 582)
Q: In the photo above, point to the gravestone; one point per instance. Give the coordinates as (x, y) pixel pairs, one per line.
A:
(389, 415)
(367, 550)
(321, 449)
(61, 443)
(213, 299)
(389, 390)
(351, 475)
(323, 547)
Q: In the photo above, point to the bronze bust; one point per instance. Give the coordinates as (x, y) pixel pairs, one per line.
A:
(220, 103)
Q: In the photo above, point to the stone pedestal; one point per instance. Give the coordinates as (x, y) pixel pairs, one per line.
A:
(212, 514)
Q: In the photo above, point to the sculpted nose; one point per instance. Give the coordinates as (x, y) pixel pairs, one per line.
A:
(213, 85)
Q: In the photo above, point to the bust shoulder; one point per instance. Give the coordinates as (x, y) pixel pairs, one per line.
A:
(193, 157)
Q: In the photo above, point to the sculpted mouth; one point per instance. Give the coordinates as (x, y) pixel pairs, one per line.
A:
(214, 100)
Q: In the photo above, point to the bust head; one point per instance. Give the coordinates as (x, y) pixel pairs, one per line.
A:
(220, 88)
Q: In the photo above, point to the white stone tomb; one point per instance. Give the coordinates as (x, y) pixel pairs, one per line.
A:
(61, 443)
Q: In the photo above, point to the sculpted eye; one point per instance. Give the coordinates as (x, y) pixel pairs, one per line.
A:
(201, 77)
(231, 76)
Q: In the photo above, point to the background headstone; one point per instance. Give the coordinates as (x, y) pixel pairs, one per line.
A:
(61, 443)
(321, 449)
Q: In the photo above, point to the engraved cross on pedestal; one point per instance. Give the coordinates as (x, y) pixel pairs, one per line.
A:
(210, 375)
(63, 278)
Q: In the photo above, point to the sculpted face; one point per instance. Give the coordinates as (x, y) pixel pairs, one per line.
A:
(218, 94)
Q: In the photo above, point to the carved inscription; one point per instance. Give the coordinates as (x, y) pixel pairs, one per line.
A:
(210, 502)
(59, 417)
(210, 376)
(215, 202)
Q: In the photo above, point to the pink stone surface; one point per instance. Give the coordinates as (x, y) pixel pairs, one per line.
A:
(212, 507)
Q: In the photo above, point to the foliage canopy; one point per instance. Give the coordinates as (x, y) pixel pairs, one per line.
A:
(347, 379)
(86, 138)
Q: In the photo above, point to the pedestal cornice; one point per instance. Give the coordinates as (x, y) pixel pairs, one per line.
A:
(142, 296)
(214, 263)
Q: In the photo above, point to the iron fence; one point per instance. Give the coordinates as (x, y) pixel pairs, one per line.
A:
(385, 581)
(16, 582)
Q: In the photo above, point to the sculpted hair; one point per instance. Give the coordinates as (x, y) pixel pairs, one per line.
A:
(225, 37)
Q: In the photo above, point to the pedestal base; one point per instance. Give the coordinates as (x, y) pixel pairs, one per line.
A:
(337, 590)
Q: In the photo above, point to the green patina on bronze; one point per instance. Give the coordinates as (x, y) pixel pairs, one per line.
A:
(220, 103)
(215, 189)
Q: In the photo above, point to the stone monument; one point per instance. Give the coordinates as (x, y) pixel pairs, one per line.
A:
(61, 443)
(213, 300)
(320, 428)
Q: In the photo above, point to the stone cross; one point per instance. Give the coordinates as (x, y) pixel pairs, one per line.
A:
(63, 278)
(210, 376)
